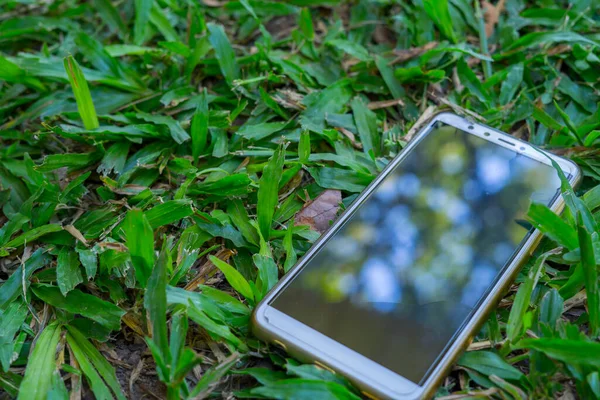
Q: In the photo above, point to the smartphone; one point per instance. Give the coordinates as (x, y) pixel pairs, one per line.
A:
(399, 285)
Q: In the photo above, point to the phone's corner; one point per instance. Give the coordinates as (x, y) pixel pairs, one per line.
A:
(450, 118)
(569, 168)
(259, 324)
(265, 324)
(420, 393)
(444, 116)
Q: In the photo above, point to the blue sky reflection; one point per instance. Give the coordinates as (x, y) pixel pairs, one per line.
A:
(421, 251)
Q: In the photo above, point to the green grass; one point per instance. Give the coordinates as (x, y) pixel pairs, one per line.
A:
(154, 155)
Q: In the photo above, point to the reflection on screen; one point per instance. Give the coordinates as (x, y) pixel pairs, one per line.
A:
(398, 280)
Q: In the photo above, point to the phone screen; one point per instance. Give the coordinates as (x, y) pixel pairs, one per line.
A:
(404, 273)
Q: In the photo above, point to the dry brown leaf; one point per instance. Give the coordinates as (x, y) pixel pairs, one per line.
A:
(111, 352)
(133, 321)
(568, 394)
(456, 108)
(456, 81)
(76, 234)
(463, 381)
(281, 26)
(114, 246)
(491, 15)
(560, 49)
(575, 301)
(318, 213)
(207, 268)
(292, 185)
(384, 35)
(26, 253)
(216, 350)
(209, 389)
(350, 136)
(214, 3)
(349, 63)
(75, 378)
(485, 344)
(243, 164)
(423, 119)
(129, 189)
(408, 54)
(376, 105)
(135, 374)
(289, 99)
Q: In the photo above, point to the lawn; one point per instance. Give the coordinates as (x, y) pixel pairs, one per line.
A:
(163, 162)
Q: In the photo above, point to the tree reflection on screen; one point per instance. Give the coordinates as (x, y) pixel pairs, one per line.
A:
(402, 275)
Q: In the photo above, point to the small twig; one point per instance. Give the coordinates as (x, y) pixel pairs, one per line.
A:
(575, 301)
(376, 105)
(76, 234)
(135, 374)
(75, 378)
(350, 136)
(140, 100)
(206, 268)
(456, 108)
(423, 119)
(408, 54)
(531, 334)
(365, 23)
(485, 344)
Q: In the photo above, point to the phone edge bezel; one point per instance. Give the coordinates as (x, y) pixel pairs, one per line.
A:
(269, 332)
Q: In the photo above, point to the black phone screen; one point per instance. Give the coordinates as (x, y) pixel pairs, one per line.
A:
(401, 277)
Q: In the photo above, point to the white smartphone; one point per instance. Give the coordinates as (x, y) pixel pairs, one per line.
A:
(395, 290)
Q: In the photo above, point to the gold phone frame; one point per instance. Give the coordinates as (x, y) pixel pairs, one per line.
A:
(374, 380)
